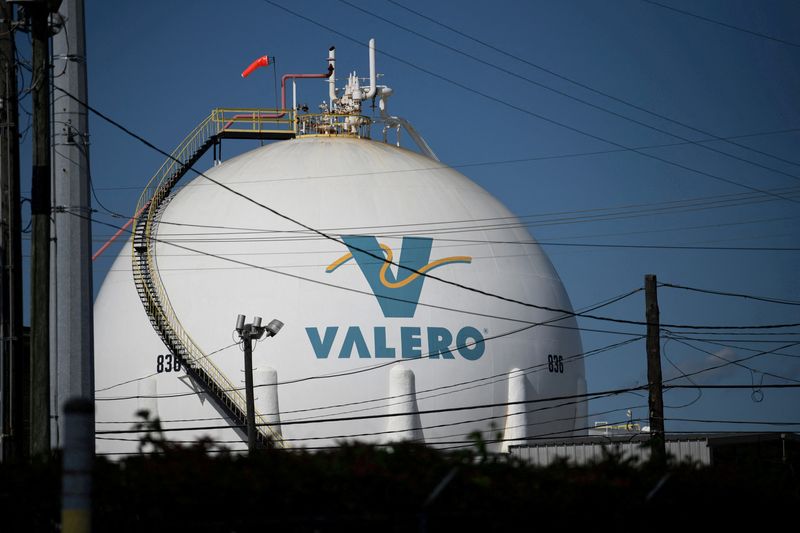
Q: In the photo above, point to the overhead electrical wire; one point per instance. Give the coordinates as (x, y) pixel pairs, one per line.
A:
(452, 388)
(732, 346)
(768, 299)
(720, 23)
(680, 371)
(345, 373)
(428, 440)
(593, 89)
(562, 436)
(743, 333)
(423, 395)
(545, 308)
(441, 228)
(264, 235)
(318, 232)
(565, 94)
(570, 313)
(209, 354)
(558, 437)
(753, 422)
(529, 324)
(728, 362)
(473, 164)
(529, 112)
(737, 386)
(204, 419)
(470, 441)
(735, 362)
(420, 412)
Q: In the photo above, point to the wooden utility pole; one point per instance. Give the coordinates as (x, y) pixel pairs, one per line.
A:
(40, 233)
(655, 400)
(15, 376)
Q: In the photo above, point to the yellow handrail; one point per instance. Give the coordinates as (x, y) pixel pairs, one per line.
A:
(156, 190)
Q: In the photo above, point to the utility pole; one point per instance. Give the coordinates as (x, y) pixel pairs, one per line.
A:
(71, 344)
(14, 371)
(248, 332)
(655, 399)
(40, 234)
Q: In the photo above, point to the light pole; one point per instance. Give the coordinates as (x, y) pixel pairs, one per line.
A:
(248, 332)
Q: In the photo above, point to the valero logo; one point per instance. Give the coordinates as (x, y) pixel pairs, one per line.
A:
(398, 295)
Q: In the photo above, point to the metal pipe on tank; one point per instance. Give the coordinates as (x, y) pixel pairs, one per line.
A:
(332, 78)
(284, 78)
(373, 86)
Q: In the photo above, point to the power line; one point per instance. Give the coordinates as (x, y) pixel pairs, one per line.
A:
(553, 437)
(481, 163)
(565, 312)
(611, 392)
(735, 362)
(333, 285)
(732, 294)
(420, 428)
(564, 94)
(726, 333)
(717, 343)
(249, 234)
(361, 371)
(720, 23)
(419, 395)
(676, 367)
(568, 313)
(593, 89)
(392, 415)
(764, 352)
(738, 386)
(156, 373)
(443, 226)
(309, 228)
(527, 111)
(754, 422)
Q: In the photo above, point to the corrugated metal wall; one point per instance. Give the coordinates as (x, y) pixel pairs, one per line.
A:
(695, 450)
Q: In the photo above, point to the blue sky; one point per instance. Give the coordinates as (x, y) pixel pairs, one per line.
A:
(160, 67)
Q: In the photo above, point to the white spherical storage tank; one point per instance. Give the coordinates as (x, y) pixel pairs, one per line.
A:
(392, 330)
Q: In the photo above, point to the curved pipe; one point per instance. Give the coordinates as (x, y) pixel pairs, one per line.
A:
(284, 78)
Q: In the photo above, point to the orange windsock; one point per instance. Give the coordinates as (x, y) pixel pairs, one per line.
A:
(262, 61)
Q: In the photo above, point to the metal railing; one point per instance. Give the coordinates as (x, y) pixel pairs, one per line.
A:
(244, 120)
(332, 124)
(154, 297)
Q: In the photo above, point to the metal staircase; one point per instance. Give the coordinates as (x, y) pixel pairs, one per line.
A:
(221, 123)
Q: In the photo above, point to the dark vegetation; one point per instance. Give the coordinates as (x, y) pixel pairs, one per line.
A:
(360, 487)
